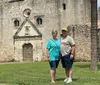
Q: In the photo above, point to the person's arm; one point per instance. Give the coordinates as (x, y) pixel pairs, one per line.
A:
(72, 52)
(72, 43)
(47, 54)
(48, 46)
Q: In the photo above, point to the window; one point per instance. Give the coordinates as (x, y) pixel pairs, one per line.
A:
(64, 6)
(16, 22)
(27, 12)
(39, 21)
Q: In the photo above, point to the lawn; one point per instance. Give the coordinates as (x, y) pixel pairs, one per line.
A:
(37, 73)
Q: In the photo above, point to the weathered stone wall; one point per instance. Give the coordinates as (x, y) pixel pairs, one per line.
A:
(6, 53)
(98, 47)
(81, 35)
(99, 13)
(53, 16)
(77, 12)
(46, 9)
(99, 17)
(37, 49)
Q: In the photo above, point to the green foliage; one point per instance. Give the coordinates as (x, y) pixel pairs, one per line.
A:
(37, 73)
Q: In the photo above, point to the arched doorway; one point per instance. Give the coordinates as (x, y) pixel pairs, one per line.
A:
(27, 52)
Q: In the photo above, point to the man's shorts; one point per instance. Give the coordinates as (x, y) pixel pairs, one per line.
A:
(66, 61)
(54, 64)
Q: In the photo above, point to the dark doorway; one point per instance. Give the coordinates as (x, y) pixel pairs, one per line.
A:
(27, 52)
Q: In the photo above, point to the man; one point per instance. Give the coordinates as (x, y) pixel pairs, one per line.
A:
(67, 51)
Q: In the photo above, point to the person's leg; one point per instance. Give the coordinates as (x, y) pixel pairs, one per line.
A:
(52, 74)
(68, 69)
(66, 72)
(69, 75)
(70, 72)
(53, 65)
(64, 66)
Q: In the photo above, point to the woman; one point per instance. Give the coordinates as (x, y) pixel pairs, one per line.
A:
(53, 54)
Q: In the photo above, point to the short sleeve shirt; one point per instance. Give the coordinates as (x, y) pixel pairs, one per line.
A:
(54, 49)
(66, 45)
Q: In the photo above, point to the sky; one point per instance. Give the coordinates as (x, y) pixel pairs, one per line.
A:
(98, 3)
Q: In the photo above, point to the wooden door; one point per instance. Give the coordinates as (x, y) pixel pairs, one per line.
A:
(27, 52)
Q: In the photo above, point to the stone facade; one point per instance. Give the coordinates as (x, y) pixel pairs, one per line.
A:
(98, 30)
(99, 17)
(82, 37)
(26, 25)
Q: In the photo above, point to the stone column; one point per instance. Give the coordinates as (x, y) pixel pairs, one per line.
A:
(1, 20)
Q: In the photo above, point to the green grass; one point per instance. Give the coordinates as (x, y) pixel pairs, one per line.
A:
(37, 73)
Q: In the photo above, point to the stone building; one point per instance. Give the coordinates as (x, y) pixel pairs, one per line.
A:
(99, 33)
(26, 25)
(99, 17)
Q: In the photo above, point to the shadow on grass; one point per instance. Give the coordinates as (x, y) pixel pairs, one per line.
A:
(98, 66)
(86, 65)
(82, 65)
(62, 79)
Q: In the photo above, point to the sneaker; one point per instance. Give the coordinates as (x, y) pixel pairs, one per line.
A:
(66, 80)
(69, 80)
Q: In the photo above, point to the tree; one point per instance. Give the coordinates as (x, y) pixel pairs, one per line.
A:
(94, 66)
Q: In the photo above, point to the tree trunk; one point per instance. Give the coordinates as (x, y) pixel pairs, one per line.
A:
(93, 66)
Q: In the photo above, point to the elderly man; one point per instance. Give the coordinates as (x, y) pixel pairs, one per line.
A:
(67, 51)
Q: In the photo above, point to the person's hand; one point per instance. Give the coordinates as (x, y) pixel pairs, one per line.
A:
(60, 56)
(47, 56)
(48, 59)
(71, 56)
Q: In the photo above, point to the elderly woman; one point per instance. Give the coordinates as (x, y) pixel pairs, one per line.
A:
(53, 54)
